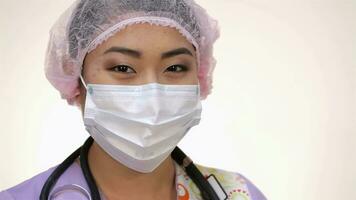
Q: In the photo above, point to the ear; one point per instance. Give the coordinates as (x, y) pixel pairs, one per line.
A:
(80, 98)
(77, 101)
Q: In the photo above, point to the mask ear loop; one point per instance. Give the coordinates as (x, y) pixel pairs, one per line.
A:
(83, 82)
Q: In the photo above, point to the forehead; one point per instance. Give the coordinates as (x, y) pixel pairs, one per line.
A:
(145, 36)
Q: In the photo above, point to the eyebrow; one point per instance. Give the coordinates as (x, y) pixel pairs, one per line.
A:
(137, 54)
(176, 52)
(124, 50)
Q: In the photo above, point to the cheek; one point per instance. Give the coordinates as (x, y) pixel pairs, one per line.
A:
(93, 71)
(194, 76)
(96, 75)
(190, 78)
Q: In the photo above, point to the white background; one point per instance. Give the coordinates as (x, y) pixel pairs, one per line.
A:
(282, 110)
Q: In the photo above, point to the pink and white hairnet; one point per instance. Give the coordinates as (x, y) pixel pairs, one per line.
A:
(88, 23)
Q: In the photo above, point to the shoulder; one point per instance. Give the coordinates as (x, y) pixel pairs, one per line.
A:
(235, 184)
(31, 188)
(28, 189)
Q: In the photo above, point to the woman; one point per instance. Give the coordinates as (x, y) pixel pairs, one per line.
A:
(137, 70)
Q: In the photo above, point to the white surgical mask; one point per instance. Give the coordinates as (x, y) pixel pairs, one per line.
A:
(139, 126)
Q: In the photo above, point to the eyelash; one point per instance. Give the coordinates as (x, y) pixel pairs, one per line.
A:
(183, 68)
(118, 68)
(172, 68)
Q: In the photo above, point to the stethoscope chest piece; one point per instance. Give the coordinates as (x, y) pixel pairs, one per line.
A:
(71, 191)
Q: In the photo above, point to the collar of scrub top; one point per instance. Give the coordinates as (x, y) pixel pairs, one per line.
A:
(86, 188)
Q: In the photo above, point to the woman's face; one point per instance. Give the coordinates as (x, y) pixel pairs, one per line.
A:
(141, 54)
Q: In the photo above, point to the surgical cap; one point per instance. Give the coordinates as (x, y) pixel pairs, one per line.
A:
(88, 23)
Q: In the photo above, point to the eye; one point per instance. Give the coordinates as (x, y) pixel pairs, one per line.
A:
(123, 69)
(177, 68)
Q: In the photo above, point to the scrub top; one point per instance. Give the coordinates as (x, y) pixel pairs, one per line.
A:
(235, 185)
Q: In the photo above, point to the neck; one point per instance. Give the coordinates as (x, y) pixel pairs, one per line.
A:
(117, 181)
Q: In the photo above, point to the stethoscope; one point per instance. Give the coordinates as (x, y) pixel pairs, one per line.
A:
(209, 187)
